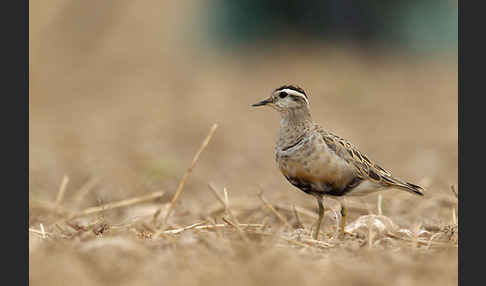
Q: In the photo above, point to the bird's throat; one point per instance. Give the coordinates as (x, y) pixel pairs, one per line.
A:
(294, 125)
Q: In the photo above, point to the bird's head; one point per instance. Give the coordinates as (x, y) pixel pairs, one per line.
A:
(286, 98)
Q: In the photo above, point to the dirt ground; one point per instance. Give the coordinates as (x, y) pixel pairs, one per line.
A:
(112, 133)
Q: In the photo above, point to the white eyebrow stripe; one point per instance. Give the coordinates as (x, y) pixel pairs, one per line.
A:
(294, 92)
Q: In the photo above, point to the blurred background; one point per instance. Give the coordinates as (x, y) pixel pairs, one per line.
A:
(123, 92)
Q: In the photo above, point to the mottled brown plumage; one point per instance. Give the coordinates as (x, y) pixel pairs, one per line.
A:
(319, 162)
(365, 168)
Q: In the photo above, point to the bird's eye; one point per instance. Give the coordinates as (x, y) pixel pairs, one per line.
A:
(282, 94)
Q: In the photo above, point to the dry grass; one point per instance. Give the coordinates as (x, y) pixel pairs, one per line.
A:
(143, 250)
(116, 196)
(376, 252)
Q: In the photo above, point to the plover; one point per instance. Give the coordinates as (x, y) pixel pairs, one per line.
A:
(320, 163)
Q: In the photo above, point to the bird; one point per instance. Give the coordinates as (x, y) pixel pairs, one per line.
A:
(320, 163)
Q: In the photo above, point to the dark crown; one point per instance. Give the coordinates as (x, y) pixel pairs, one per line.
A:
(292, 87)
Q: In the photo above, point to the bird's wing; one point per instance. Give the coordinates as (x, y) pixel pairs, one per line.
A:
(364, 167)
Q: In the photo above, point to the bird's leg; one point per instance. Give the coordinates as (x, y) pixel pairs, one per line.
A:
(344, 214)
(321, 215)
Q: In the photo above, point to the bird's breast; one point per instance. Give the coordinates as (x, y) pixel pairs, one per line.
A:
(316, 165)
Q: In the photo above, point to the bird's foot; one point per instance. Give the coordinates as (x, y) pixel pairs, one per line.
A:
(343, 234)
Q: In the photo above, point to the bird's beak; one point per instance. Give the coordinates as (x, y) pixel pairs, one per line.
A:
(264, 102)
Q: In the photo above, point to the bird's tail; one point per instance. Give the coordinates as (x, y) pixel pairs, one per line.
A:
(409, 187)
